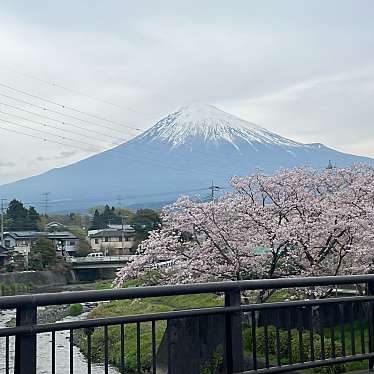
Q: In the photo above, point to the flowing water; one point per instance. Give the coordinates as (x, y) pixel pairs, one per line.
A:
(44, 351)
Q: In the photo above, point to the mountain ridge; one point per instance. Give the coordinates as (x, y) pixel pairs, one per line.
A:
(184, 151)
(212, 124)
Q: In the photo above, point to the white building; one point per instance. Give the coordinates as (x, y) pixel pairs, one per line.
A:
(22, 241)
(113, 241)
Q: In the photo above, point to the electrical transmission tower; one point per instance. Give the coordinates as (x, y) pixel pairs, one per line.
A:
(45, 199)
(213, 189)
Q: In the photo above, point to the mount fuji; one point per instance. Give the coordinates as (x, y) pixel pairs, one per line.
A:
(181, 153)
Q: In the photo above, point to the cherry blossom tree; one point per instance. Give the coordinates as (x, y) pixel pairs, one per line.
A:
(299, 222)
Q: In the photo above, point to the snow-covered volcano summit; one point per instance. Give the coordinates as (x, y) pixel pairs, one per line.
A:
(210, 124)
(181, 153)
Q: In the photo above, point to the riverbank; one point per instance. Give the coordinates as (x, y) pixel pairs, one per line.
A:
(133, 307)
(31, 281)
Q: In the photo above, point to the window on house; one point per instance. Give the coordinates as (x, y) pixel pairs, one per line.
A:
(72, 243)
(96, 241)
(120, 239)
(106, 239)
(7, 243)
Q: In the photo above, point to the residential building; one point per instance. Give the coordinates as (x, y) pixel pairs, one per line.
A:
(4, 256)
(22, 241)
(113, 241)
(54, 226)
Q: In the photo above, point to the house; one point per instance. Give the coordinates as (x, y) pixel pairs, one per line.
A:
(113, 241)
(54, 226)
(22, 241)
(4, 256)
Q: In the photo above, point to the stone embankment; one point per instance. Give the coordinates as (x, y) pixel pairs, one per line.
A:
(28, 281)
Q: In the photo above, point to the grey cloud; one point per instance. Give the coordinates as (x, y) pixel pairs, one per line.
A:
(7, 164)
(61, 156)
(303, 69)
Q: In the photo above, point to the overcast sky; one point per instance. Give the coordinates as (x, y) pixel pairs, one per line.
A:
(303, 69)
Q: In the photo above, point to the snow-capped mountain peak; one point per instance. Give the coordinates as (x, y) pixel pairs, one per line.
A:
(180, 154)
(211, 125)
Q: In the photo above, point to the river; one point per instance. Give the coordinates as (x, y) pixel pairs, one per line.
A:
(44, 365)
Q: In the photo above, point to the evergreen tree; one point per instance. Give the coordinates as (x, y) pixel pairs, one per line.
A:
(97, 221)
(33, 218)
(20, 218)
(43, 255)
(144, 221)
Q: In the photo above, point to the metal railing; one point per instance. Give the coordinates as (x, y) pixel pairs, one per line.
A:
(279, 336)
(88, 259)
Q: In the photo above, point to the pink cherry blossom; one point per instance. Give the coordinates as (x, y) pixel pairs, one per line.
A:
(299, 222)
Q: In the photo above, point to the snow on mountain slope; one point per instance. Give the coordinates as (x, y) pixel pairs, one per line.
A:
(182, 152)
(212, 125)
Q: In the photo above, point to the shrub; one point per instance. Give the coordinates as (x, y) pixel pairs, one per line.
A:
(295, 350)
(76, 309)
(133, 307)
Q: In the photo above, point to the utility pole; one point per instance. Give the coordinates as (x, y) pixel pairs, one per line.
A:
(123, 237)
(2, 221)
(119, 204)
(46, 201)
(212, 189)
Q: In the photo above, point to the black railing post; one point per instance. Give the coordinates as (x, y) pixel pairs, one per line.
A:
(25, 348)
(233, 334)
(370, 291)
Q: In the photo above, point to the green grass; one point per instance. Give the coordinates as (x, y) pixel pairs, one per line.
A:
(108, 284)
(134, 307)
(15, 288)
(347, 367)
(358, 365)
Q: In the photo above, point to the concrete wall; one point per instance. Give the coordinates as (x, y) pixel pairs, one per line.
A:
(37, 278)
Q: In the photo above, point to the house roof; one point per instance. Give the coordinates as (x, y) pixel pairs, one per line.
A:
(54, 224)
(37, 234)
(113, 233)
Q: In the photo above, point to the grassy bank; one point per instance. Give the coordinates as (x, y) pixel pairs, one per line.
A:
(360, 345)
(133, 307)
(16, 288)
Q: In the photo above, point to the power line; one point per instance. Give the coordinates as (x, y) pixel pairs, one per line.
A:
(49, 126)
(65, 106)
(212, 164)
(54, 84)
(115, 199)
(51, 134)
(93, 145)
(72, 125)
(61, 122)
(64, 114)
(65, 123)
(41, 138)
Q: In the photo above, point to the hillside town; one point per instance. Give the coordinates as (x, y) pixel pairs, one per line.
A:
(21, 248)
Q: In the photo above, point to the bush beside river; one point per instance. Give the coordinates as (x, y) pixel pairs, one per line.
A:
(133, 307)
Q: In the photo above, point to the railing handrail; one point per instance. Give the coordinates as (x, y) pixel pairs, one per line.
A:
(9, 302)
(99, 259)
(189, 312)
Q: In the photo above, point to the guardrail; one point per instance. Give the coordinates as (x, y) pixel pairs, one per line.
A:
(118, 258)
(280, 324)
